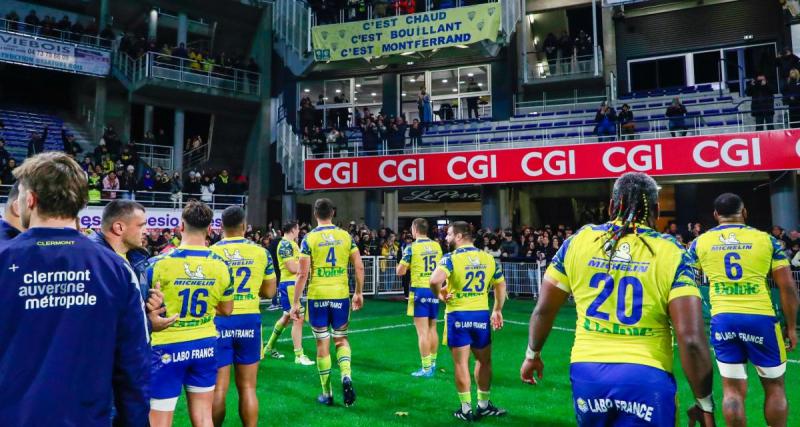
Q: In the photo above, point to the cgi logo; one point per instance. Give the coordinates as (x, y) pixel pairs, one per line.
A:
(736, 152)
(556, 163)
(641, 158)
(340, 173)
(409, 170)
(477, 167)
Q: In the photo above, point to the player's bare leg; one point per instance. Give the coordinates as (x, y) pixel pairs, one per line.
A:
(423, 343)
(246, 378)
(161, 418)
(220, 391)
(200, 405)
(776, 408)
(483, 376)
(734, 393)
(343, 359)
(323, 341)
(297, 341)
(433, 340)
(463, 382)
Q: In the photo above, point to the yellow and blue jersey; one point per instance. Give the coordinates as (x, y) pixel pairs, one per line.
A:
(250, 265)
(194, 280)
(471, 273)
(422, 256)
(287, 251)
(329, 248)
(737, 259)
(622, 298)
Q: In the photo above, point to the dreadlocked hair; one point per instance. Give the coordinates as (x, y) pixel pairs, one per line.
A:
(632, 198)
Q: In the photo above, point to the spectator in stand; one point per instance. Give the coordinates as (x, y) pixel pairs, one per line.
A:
(605, 127)
(192, 186)
(626, 125)
(100, 152)
(762, 105)
(551, 52)
(207, 189)
(95, 183)
(147, 183)
(369, 136)
(676, 114)
(64, 24)
(156, 242)
(380, 8)
(180, 51)
(791, 97)
(390, 249)
(509, 246)
(127, 157)
(566, 52)
(415, 133)
(308, 113)
(127, 183)
(472, 101)
(107, 164)
(13, 18)
(7, 176)
(77, 31)
(87, 165)
(493, 248)
(4, 156)
(222, 183)
(36, 143)
(583, 48)
(106, 36)
(110, 186)
(32, 22)
(427, 110)
(786, 62)
(397, 136)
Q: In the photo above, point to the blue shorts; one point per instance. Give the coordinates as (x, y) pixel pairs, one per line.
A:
(286, 295)
(322, 313)
(423, 303)
(622, 394)
(239, 339)
(192, 364)
(471, 328)
(737, 338)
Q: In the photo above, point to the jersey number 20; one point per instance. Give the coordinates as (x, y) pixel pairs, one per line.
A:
(622, 291)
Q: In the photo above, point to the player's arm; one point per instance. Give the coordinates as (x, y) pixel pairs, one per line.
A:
(552, 296)
(358, 266)
(302, 276)
(686, 313)
(225, 304)
(405, 261)
(499, 301)
(269, 284)
(131, 357)
(437, 281)
(788, 289)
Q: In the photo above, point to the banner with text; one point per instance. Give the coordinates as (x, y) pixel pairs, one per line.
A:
(406, 33)
(745, 152)
(30, 50)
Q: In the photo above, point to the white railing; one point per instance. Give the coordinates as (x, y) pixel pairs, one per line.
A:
(290, 155)
(39, 31)
(291, 22)
(573, 67)
(155, 155)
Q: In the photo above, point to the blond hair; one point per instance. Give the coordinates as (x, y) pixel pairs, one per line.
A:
(794, 74)
(58, 182)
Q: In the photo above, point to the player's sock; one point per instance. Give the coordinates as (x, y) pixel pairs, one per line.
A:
(277, 330)
(324, 368)
(298, 352)
(343, 359)
(433, 359)
(466, 401)
(483, 399)
(426, 362)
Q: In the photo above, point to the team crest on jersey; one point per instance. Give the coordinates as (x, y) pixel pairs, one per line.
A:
(474, 263)
(428, 251)
(196, 274)
(622, 254)
(236, 259)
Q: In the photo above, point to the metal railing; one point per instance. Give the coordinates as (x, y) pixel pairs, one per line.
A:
(290, 155)
(475, 140)
(165, 67)
(546, 102)
(197, 156)
(155, 155)
(292, 22)
(352, 14)
(156, 199)
(38, 31)
(573, 67)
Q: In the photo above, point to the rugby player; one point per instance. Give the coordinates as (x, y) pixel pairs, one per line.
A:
(288, 253)
(470, 274)
(239, 340)
(73, 324)
(325, 254)
(737, 259)
(197, 284)
(629, 283)
(421, 257)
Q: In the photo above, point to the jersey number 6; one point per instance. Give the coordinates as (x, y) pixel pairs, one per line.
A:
(622, 291)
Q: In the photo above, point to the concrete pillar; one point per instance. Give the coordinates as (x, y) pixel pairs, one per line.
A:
(177, 141)
(104, 15)
(390, 91)
(152, 24)
(609, 44)
(783, 199)
(391, 209)
(100, 98)
(490, 207)
(372, 209)
(505, 208)
(288, 207)
(148, 118)
(525, 216)
(183, 28)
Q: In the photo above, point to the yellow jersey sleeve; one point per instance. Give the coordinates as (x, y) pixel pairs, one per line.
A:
(557, 270)
(779, 258)
(287, 251)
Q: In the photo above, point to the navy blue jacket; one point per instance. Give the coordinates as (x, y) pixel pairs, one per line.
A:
(7, 232)
(138, 259)
(72, 331)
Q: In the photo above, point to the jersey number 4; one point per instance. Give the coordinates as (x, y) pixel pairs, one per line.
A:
(193, 303)
(622, 291)
(331, 258)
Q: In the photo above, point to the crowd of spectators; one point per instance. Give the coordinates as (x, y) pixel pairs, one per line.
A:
(63, 29)
(331, 12)
(567, 55)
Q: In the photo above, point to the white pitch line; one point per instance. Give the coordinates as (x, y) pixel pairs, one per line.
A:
(405, 325)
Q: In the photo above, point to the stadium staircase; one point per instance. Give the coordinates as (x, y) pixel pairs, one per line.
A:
(289, 152)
